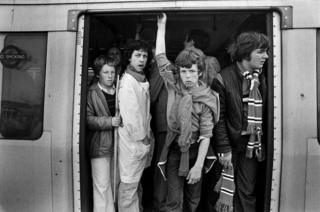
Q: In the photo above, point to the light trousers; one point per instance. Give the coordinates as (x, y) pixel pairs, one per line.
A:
(102, 189)
(129, 197)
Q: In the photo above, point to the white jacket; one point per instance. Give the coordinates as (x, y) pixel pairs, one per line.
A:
(134, 105)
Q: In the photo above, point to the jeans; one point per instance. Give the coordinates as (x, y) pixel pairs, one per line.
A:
(209, 196)
(102, 190)
(182, 197)
(159, 184)
(245, 171)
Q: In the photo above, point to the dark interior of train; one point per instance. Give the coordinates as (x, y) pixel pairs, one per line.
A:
(116, 29)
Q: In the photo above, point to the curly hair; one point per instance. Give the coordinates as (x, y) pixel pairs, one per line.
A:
(133, 45)
(245, 43)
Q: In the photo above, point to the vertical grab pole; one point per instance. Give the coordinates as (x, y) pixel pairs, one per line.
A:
(115, 151)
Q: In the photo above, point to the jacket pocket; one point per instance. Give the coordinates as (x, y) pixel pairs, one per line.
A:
(101, 144)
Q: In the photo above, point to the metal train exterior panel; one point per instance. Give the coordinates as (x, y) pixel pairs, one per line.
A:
(40, 170)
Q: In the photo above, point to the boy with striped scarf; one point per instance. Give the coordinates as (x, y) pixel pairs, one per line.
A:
(242, 92)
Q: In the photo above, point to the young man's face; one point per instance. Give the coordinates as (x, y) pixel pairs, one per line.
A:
(115, 54)
(190, 76)
(188, 44)
(257, 58)
(139, 59)
(106, 76)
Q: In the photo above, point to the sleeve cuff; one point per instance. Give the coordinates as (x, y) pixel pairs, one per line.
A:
(224, 149)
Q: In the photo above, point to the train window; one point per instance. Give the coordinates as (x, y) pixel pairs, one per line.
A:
(22, 77)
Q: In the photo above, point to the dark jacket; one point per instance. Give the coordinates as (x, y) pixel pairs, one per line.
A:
(158, 98)
(227, 132)
(99, 121)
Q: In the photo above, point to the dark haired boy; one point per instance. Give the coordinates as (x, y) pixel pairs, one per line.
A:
(242, 92)
(135, 137)
(191, 110)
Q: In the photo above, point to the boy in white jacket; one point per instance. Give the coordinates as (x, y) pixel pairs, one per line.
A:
(135, 134)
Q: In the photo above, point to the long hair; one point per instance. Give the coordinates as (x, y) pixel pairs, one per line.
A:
(133, 45)
(245, 43)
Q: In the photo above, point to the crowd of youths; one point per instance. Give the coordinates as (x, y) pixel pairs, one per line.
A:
(178, 119)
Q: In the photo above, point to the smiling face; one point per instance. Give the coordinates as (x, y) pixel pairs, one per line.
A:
(139, 59)
(257, 58)
(190, 76)
(106, 76)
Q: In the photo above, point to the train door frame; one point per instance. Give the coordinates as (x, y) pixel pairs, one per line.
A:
(80, 166)
(274, 105)
(275, 72)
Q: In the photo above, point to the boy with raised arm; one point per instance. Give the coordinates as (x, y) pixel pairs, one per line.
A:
(192, 110)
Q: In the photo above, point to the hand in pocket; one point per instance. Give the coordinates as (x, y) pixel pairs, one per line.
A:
(143, 148)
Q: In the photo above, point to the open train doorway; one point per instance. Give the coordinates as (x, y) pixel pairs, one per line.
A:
(103, 31)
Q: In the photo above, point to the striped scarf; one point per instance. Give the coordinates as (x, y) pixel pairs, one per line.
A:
(254, 116)
(226, 187)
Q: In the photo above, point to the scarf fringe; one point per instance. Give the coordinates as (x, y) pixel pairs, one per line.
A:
(250, 146)
(255, 147)
(221, 207)
(260, 153)
(249, 152)
(252, 128)
(226, 187)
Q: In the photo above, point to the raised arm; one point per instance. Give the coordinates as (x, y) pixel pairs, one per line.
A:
(165, 67)
(161, 32)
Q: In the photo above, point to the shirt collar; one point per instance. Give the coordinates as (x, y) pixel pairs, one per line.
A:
(242, 71)
(103, 89)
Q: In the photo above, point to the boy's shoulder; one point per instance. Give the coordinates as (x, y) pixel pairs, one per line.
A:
(93, 87)
(227, 74)
(226, 70)
(205, 95)
(125, 79)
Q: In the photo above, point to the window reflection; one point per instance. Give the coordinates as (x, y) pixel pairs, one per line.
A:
(22, 76)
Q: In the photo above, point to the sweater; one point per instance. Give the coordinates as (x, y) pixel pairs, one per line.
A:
(200, 102)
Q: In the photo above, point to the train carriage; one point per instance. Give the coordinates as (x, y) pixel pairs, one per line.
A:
(46, 54)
